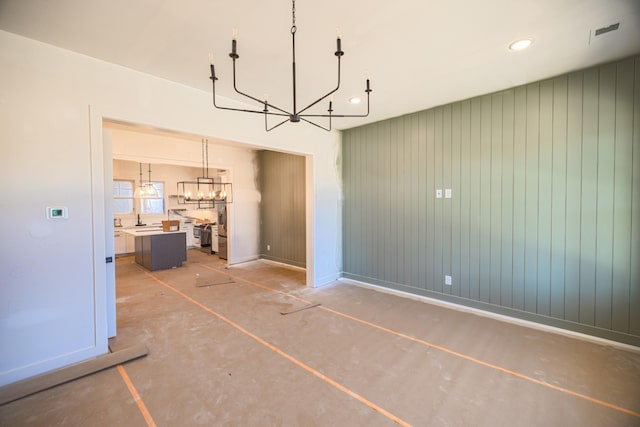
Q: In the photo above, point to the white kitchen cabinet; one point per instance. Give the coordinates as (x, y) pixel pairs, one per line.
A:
(214, 239)
(120, 242)
(124, 243)
(130, 243)
(188, 229)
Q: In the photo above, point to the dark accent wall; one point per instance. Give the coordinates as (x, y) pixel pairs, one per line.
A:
(544, 219)
(282, 207)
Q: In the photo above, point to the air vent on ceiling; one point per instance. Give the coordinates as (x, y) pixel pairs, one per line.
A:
(604, 30)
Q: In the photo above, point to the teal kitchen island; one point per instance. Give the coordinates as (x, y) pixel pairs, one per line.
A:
(159, 250)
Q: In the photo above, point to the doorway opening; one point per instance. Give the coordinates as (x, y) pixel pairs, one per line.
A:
(176, 157)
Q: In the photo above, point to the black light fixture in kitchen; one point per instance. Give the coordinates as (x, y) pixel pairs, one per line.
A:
(293, 115)
(145, 191)
(204, 192)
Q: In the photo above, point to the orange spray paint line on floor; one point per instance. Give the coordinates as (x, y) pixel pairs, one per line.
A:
(287, 356)
(136, 397)
(452, 352)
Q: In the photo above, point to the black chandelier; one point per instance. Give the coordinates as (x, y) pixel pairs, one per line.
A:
(205, 192)
(294, 115)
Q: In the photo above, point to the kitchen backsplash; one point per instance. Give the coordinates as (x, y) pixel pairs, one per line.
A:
(196, 215)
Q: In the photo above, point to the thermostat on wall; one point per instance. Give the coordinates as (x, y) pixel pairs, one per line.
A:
(57, 212)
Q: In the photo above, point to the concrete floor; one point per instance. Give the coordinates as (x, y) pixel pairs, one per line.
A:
(223, 355)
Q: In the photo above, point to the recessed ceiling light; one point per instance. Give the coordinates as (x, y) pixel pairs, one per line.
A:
(354, 100)
(520, 44)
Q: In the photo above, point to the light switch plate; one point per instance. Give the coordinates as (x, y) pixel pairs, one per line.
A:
(439, 193)
(447, 193)
(447, 280)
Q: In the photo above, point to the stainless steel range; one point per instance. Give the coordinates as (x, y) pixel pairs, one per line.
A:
(205, 236)
(197, 235)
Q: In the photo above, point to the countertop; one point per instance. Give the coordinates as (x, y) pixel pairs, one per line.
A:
(149, 231)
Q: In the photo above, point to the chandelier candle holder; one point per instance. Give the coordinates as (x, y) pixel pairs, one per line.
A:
(204, 191)
(293, 115)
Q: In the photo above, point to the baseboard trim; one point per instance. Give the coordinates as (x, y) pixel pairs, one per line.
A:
(47, 380)
(282, 264)
(497, 316)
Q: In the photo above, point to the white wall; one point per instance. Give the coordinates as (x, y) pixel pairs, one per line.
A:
(52, 106)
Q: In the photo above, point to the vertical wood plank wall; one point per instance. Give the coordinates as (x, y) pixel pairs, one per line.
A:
(544, 222)
(282, 207)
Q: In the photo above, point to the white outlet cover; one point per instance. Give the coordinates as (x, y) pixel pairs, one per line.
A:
(447, 280)
(439, 193)
(447, 193)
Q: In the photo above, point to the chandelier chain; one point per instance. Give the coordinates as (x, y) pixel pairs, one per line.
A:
(293, 16)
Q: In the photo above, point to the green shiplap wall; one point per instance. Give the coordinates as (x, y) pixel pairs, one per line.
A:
(544, 222)
(282, 207)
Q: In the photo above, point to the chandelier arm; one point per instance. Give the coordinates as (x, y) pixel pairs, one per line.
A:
(272, 128)
(328, 94)
(242, 109)
(340, 115)
(249, 111)
(253, 97)
(317, 125)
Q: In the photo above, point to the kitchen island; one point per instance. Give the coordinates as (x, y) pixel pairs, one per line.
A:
(159, 250)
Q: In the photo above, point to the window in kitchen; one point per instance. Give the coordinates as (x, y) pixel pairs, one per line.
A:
(154, 205)
(122, 196)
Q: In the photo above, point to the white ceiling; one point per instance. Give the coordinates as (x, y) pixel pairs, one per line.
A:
(417, 53)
